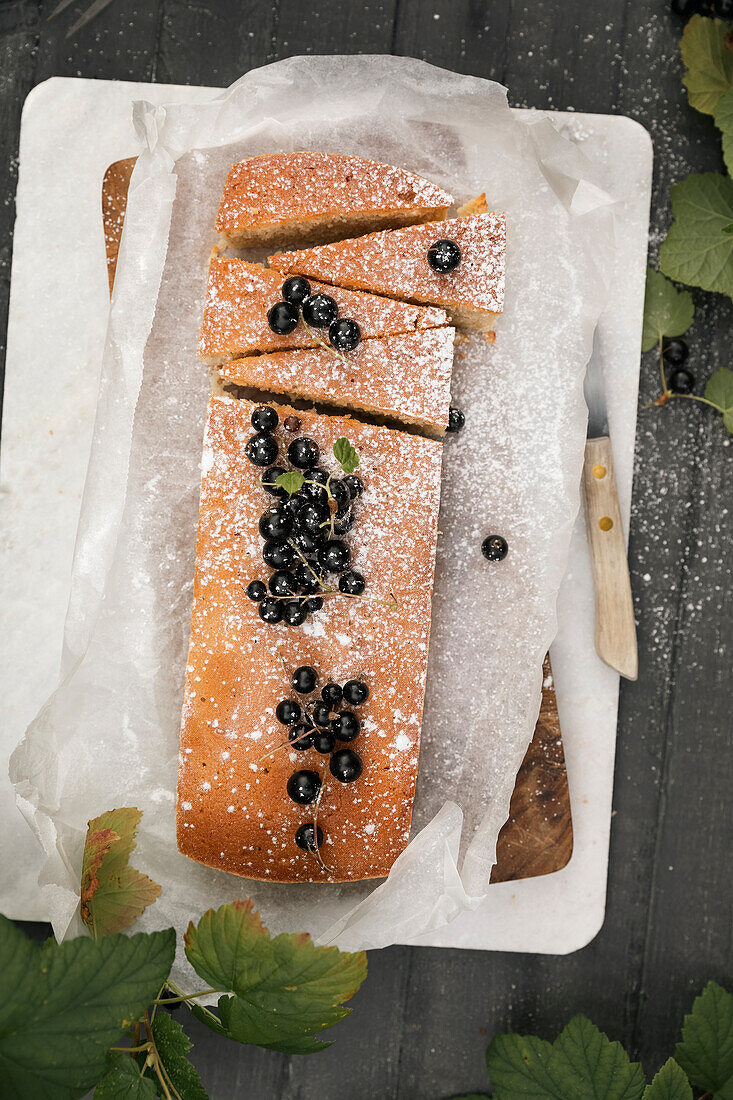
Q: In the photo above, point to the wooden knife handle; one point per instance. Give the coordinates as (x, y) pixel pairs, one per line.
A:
(615, 627)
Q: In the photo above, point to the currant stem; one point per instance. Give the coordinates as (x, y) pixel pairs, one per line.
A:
(183, 997)
(319, 340)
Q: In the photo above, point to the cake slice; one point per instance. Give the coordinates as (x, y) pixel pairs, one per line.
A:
(239, 294)
(395, 263)
(233, 809)
(404, 378)
(300, 198)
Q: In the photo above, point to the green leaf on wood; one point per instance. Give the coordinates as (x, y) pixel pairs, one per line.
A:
(345, 455)
(173, 1045)
(124, 1081)
(724, 122)
(698, 250)
(669, 1084)
(667, 311)
(719, 391)
(292, 482)
(282, 990)
(708, 61)
(582, 1062)
(63, 1005)
(705, 1052)
(113, 894)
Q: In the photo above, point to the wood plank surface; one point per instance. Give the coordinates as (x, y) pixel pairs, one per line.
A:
(422, 1021)
(537, 838)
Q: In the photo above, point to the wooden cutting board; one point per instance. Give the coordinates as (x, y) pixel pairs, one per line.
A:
(537, 838)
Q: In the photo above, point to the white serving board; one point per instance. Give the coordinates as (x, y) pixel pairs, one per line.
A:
(56, 330)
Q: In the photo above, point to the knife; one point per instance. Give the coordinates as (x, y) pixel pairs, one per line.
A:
(615, 635)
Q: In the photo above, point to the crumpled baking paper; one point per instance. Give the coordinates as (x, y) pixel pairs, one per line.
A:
(108, 736)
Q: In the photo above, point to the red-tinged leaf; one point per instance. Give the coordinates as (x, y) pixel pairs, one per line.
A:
(113, 894)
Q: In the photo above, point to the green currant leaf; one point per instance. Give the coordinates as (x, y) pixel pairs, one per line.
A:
(291, 482)
(669, 1084)
(719, 390)
(173, 1045)
(113, 894)
(708, 61)
(63, 1005)
(124, 1081)
(667, 311)
(345, 455)
(698, 250)
(517, 1067)
(724, 122)
(705, 1052)
(282, 990)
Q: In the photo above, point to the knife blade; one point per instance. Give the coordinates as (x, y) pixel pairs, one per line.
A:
(615, 630)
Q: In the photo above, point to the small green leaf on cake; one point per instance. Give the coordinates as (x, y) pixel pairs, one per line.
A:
(698, 249)
(719, 392)
(724, 122)
(706, 1050)
(113, 894)
(345, 455)
(667, 311)
(281, 991)
(708, 61)
(291, 482)
(669, 1084)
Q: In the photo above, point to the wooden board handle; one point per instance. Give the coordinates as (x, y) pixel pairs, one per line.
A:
(615, 627)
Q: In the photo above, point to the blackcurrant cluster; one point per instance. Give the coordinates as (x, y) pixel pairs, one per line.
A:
(321, 721)
(303, 530)
(679, 379)
(317, 310)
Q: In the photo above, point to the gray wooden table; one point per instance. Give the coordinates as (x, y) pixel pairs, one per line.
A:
(422, 1021)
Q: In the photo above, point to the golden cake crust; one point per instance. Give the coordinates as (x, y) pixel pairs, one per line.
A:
(405, 378)
(306, 196)
(233, 811)
(394, 262)
(239, 294)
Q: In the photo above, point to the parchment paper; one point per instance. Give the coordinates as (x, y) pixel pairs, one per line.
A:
(109, 734)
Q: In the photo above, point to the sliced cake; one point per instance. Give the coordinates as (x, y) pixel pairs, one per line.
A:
(405, 378)
(236, 808)
(240, 294)
(464, 273)
(300, 198)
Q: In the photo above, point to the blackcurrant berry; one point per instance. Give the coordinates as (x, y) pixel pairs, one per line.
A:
(344, 334)
(303, 453)
(270, 610)
(456, 420)
(256, 590)
(345, 765)
(264, 419)
(276, 523)
(444, 256)
(494, 548)
(288, 712)
(675, 353)
(352, 583)
(313, 519)
(269, 481)
(346, 726)
(305, 543)
(306, 581)
(294, 612)
(296, 289)
(334, 556)
(315, 493)
(319, 310)
(282, 318)
(342, 524)
(278, 555)
(321, 714)
(282, 583)
(303, 787)
(305, 679)
(324, 742)
(332, 694)
(341, 495)
(356, 692)
(291, 424)
(682, 381)
(354, 484)
(315, 603)
(262, 449)
(301, 737)
(308, 838)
